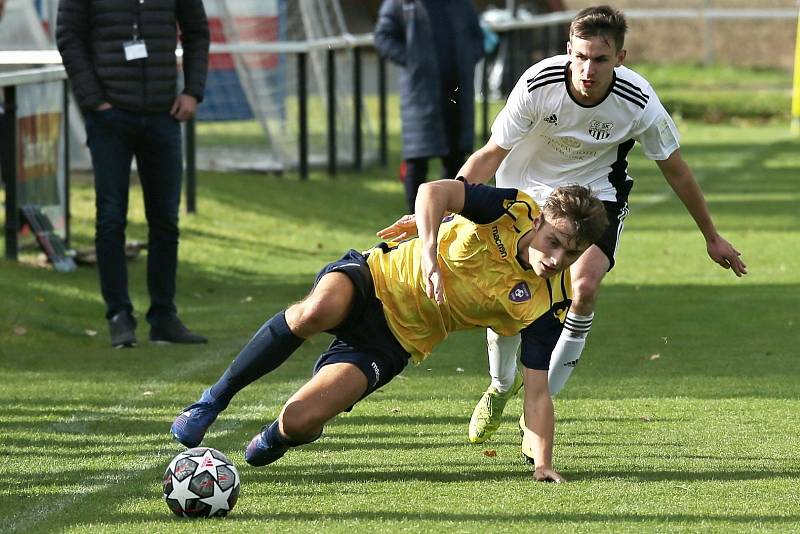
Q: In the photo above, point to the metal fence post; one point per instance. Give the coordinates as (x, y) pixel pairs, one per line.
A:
(9, 165)
(67, 209)
(384, 137)
(485, 98)
(357, 153)
(302, 105)
(331, 71)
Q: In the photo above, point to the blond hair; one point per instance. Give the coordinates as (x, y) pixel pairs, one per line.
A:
(580, 206)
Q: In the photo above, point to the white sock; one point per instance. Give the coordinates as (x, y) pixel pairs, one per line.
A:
(568, 350)
(502, 359)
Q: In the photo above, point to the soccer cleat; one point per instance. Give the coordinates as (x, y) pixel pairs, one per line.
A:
(527, 440)
(261, 452)
(488, 413)
(191, 425)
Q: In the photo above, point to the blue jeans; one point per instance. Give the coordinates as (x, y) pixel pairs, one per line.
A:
(114, 137)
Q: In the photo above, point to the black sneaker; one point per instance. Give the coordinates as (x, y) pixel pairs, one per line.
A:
(172, 330)
(123, 330)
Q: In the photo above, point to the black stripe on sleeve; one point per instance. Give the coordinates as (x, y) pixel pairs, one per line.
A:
(560, 79)
(484, 204)
(632, 88)
(628, 98)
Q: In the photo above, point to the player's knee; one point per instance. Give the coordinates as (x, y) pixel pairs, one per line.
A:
(584, 294)
(310, 317)
(301, 423)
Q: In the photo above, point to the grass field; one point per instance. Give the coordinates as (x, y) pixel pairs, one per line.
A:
(684, 414)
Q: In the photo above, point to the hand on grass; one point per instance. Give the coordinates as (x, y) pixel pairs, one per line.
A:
(722, 252)
(402, 228)
(547, 474)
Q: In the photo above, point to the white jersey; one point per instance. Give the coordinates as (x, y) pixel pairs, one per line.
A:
(555, 141)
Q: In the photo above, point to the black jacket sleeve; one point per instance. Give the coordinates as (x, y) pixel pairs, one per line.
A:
(73, 37)
(390, 34)
(195, 40)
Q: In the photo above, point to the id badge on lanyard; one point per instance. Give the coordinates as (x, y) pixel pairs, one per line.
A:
(136, 47)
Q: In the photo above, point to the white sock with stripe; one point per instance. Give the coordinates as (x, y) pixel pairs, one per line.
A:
(502, 359)
(568, 350)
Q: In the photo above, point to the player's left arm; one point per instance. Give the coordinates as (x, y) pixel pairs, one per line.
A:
(681, 179)
(538, 341)
(540, 422)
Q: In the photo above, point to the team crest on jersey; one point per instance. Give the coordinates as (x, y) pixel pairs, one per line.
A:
(600, 130)
(520, 293)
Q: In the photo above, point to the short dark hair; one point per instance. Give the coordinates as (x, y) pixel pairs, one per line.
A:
(603, 21)
(579, 205)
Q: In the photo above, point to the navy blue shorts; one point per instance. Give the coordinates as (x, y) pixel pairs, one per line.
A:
(363, 338)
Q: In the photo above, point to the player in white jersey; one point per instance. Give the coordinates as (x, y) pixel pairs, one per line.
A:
(573, 119)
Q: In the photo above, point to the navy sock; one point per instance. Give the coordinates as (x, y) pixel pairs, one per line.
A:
(266, 351)
(272, 435)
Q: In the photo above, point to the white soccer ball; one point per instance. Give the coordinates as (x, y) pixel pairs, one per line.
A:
(201, 482)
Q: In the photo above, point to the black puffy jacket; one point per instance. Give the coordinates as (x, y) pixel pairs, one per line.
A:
(90, 36)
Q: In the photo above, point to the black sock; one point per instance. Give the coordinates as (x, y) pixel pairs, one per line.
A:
(269, 348)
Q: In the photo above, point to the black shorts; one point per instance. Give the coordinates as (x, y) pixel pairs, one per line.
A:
(363, 338)
(609, 241)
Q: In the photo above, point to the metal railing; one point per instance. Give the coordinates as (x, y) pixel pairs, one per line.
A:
(354, 43)
(8, 148)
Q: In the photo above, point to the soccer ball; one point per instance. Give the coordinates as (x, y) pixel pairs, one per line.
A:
(201, 482)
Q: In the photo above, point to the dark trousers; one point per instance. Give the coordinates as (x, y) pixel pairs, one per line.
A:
(416, 169)
(114, 137)
(417, 172)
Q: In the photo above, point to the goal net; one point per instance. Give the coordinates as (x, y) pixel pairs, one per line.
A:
(249, 116)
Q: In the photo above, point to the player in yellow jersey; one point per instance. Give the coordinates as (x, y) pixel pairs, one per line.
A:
(501, 264)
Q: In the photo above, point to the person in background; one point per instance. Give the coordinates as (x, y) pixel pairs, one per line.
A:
(120, 59)
(437, 43)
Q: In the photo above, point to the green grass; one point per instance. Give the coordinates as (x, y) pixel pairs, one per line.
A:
(702, 437)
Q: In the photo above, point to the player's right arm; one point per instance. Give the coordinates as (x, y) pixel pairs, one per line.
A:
(511, 125)
(434, 199)
(483, 163)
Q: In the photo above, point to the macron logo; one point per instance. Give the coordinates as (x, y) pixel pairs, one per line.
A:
(377, 372)
(499, 242)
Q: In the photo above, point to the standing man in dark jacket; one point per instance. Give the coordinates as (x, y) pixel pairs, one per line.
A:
(120, 58)
(438, 43)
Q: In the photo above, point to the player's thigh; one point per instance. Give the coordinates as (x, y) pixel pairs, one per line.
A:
(332, 390)
(325, 307)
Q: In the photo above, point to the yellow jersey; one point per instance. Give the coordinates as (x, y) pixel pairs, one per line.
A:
(485, 285)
